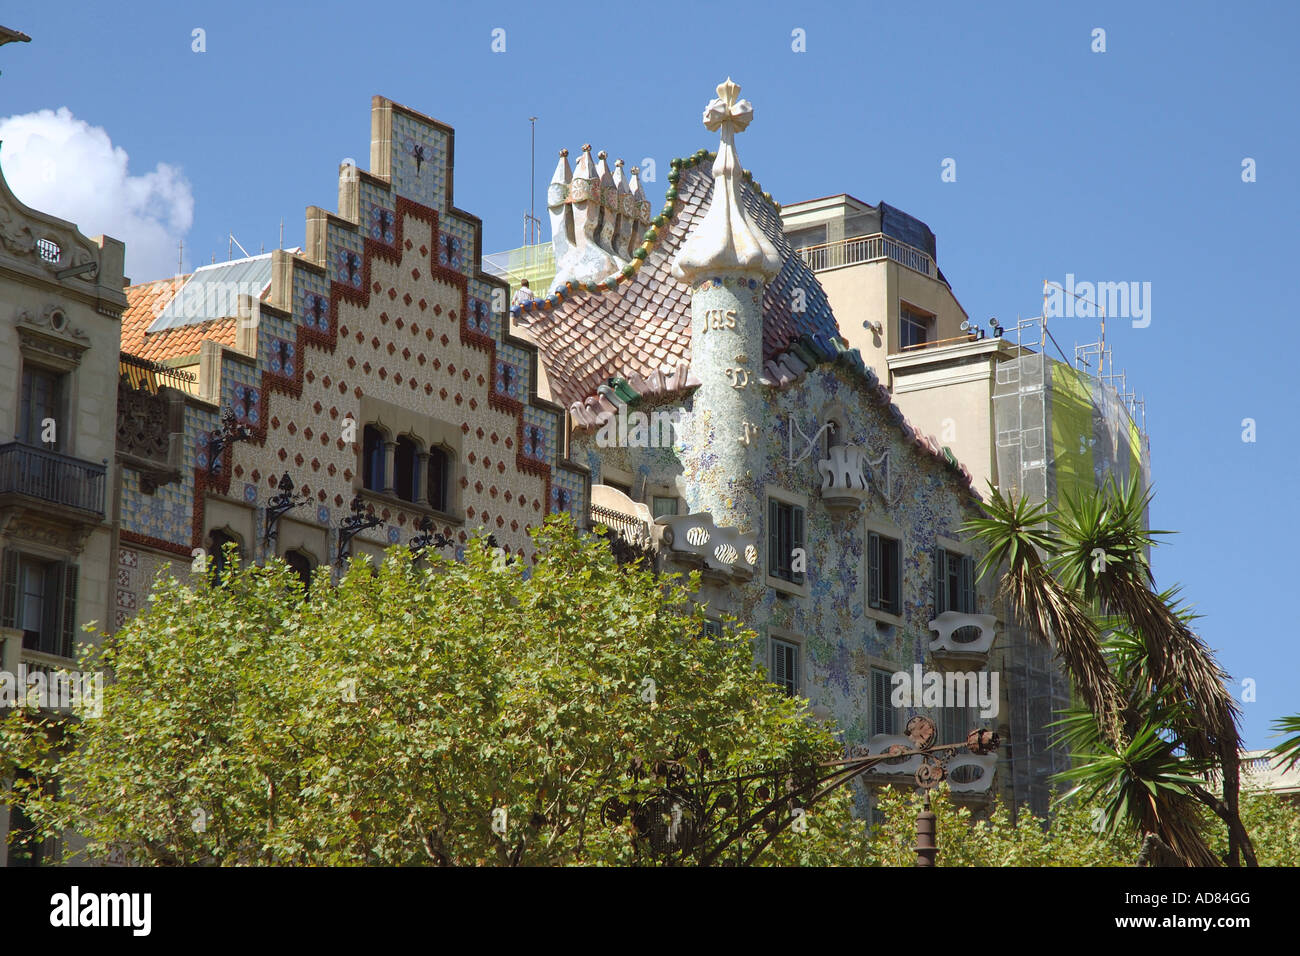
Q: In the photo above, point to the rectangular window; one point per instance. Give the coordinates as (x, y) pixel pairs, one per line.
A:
(711, 628)
(954, 582)
(619, 486)
(663, 506)
(784, 536)
(39, 598)
(955, 723)
(41, 401)
(785, 666)
(884, 573)
(882, 711)
(439, 478)
(914, 326)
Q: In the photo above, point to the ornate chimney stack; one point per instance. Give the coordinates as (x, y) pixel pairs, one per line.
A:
(727, 261)
(557, 201)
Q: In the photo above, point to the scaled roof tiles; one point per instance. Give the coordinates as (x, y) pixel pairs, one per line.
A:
(631, 337)
(641, 330)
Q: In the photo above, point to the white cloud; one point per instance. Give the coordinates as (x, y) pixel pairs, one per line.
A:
(63, 166)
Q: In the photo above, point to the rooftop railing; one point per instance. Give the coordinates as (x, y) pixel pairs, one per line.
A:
(858, 249)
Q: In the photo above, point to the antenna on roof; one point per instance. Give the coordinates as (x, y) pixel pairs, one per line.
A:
(532, 225)
(235, 242)
(282, 232)
(180, 257)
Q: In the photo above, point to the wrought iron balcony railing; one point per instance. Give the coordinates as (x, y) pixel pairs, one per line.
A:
(849, 252)
(52, 477)
(628, 527)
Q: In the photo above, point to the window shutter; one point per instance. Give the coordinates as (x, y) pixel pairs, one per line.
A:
(873, 569)
(68, 634)
(9, 589)
(940, 581)
(773, 536)
(968, 583)
(796, 536)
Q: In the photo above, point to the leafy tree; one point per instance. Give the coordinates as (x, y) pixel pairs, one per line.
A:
(426, 712)
(1161, 716)
(1274, 826)
(1074, 837)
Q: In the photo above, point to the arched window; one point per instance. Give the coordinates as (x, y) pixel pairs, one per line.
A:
(439, 478)
(406, 467)
(220, 560)
(372, 459)
(301, 564)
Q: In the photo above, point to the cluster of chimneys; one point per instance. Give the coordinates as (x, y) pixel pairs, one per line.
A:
(598, 218)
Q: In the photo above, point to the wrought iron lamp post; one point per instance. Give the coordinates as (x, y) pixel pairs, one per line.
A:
(283, 501)
(363, 517)
(231, 431)
(428, 538)
(708, 819)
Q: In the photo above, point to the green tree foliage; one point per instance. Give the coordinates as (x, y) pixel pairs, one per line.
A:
(1075, 837)
(423, 712)
(1274, 827)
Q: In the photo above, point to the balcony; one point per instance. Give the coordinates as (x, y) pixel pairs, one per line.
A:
(962, 639)
(721, 553)
(969, 776)
(844, 478)
(628, 522)
(874, 248)
(51, 478)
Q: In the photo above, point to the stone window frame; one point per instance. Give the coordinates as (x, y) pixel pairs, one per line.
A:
(786, 636)
(393, 422)
(887, 528)
(781, 585)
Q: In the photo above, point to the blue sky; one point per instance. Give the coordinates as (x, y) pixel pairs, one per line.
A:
(1117, 166)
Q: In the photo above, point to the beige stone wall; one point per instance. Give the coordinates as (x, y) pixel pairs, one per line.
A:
(954, 403)
(68, 325)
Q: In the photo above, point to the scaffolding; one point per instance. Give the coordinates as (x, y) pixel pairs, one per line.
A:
(1060, 428)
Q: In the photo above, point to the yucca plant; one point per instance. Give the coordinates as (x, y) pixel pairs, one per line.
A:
(1288, 751)
(1076, 573)
(1017, 540)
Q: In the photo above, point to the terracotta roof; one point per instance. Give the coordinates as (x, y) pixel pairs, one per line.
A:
(144, 302)
(641, 329)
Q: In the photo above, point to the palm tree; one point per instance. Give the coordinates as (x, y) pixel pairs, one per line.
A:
(1073, 573)
(1288, 751)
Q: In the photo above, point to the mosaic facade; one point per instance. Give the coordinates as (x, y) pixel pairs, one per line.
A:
(385, 322)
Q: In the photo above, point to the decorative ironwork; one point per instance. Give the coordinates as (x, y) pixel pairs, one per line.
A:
(148, 375)
(282, 502)
(363, 518)
(52, 477)
(428, 538)
(231, 431)
(682, 815)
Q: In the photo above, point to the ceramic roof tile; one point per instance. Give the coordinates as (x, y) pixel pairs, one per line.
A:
(144, 302)
(606, 335)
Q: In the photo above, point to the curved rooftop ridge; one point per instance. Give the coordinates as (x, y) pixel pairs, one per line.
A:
(638, 327)
(667, 216)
